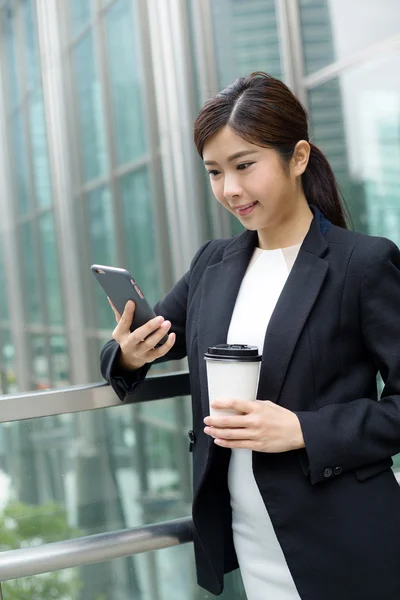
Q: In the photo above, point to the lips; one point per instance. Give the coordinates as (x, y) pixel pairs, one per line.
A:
(245, 209)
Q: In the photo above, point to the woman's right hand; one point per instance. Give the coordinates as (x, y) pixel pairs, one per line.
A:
(138, 347)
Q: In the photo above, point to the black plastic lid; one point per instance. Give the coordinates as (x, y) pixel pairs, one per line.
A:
(240, 352)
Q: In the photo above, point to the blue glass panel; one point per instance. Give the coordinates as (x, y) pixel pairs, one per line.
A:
(126, 81)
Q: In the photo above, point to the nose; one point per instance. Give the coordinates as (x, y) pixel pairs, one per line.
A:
(231, 187)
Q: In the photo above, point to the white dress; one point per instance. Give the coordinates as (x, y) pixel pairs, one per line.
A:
(263, 567)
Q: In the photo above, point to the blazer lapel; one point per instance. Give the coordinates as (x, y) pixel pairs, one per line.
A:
(292, 309)
(220, 287)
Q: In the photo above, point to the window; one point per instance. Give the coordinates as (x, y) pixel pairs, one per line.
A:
(125, 81)
(356, 121)
(139, 232)
(334, 29)
(90, 110)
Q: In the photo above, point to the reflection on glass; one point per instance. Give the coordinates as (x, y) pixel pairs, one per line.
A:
(334, 29)
(40, 374)
(4, 315)
(30, 273)
(96, 471)
(7, 363)
(51, 271)
(32, 59)
(40, 157)
(139, 232)
(90, 110)
(126, 81)
(20, 164)
(59, 361)
(10, 48)
(80, 11)
(246, 38)
(356, 122)
(101, 247)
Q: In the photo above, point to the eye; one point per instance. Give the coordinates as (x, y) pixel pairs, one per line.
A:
(244, 166)
(213, 173)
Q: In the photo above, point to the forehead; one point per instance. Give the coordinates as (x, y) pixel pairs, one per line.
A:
(225, 143)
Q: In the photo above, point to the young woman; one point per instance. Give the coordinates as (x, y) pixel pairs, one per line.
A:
(297, 488)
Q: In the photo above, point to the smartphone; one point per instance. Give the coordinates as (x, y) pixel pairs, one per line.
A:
(120, 287)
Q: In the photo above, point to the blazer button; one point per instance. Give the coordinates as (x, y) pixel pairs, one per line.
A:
(337, 470)
(192, 439)
(328, 472)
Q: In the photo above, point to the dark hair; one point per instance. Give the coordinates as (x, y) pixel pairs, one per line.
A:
(263, 111)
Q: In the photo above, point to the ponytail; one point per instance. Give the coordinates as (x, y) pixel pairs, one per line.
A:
(321, 189)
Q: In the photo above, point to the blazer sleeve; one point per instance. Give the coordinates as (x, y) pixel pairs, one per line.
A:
(360, 432)
(173, 308)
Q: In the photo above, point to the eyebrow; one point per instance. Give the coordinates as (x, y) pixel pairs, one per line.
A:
(232, 156)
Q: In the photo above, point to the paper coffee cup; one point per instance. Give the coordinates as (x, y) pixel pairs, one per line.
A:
(233, 371)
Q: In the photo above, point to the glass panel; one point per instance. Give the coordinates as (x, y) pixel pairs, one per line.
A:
(80, 14)
(126, 81)
(30, 274)
(59, 360)
(20, 164)
(51, 270)
(161, 575)
(8, 374)
(4, 315)
(10, 49)
(90, 110)
(96, 471)
(102, 248)
(139, 232)
(246, 38)
(40, 158)
(32, 59)
(334, 29)
(356, 122)
(40, 373)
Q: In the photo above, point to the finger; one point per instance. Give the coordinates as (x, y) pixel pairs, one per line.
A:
(242, 406)
(124, 324)
(229, 434)
(155, 353)
(152, 340)
(245, 444)
(142, 333)
(116, 313)
(227, 421)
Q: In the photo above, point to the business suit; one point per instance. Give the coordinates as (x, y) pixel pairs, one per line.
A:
(335, 505)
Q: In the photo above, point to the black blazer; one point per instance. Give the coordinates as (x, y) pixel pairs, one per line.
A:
(335, 505)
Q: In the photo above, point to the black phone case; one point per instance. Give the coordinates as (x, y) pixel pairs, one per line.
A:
(120, 287)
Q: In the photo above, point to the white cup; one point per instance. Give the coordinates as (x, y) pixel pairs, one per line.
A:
(233, 371)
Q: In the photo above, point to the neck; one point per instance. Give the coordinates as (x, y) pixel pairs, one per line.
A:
(289, 231)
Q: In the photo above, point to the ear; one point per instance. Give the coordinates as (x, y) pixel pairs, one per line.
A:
(300, 157)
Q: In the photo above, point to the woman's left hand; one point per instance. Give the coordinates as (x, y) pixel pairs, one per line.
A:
(260, 425)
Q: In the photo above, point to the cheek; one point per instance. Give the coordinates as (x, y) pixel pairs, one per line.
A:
(217, 189)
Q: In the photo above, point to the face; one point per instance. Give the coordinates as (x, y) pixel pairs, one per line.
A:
(251, 181)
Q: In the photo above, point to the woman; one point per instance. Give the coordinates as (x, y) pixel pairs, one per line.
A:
(297, 488)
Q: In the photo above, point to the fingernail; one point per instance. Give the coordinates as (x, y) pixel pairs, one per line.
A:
(159, 320)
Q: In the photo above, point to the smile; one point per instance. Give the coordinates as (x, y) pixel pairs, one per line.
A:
(246, 209)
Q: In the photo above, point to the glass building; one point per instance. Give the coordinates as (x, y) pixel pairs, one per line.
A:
(97, 165)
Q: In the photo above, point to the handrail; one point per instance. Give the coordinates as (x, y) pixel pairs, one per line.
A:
(101, 547)
(31, 405)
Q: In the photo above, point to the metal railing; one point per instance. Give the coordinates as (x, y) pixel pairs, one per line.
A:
(102, 547)
(91, 549)
(32, 405)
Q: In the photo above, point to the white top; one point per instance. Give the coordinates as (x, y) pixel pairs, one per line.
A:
(263, 567)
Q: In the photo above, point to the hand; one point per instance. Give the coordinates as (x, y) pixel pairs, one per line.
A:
(138, 347)
(260, 425)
